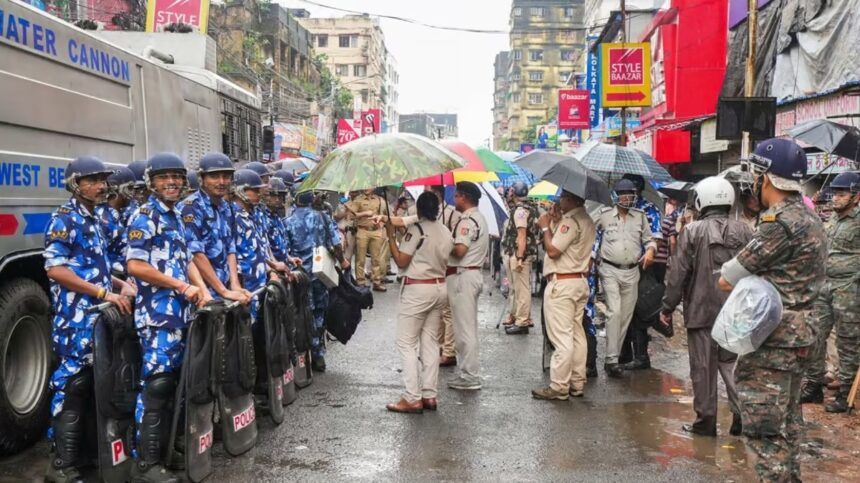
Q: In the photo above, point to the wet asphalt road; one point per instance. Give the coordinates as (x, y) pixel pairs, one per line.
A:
(338, 429)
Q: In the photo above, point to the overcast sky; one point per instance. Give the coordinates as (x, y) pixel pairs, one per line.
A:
(440, 71)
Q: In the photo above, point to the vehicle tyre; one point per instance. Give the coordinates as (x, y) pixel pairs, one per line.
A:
(26, 361)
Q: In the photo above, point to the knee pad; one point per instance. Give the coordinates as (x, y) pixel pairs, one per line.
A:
(79, 390)
(158, 391)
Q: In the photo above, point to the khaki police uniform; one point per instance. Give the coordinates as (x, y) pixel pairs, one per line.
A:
(620, 251)
(369, 238)
(565, 298)
(465, 282)
(448, 217)
(422, 297)
(346, 225)
(520, 296)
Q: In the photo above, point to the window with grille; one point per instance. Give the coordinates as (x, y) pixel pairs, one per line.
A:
(537, 11)
(535, 99)
(536, 55)
(568, 55)
(517, 54)
(322, 40)
(359, 70)
(347, 41)
(342, 70)
(518, 11)
(535, 75)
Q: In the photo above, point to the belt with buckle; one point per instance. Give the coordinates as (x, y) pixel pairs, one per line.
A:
(622, 266)
(368, 228)
(565, 276)
(455, 270)
(422, 281)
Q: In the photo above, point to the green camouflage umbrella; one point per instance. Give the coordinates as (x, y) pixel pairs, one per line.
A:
(380, 160)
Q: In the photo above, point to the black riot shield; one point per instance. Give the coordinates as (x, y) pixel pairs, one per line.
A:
(195, 403)
(234, 373)
(304, 318)
(288, 319)
(116, 367)
(274, 347)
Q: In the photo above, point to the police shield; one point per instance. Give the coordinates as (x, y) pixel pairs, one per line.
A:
(303, 322)
(195, 402)
(274, 348)
(288, 320)
(235, 375)
(116, 367)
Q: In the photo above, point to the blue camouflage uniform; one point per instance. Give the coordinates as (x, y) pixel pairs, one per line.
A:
(590, 311)
(209, 230)
(277, 235)
(306, 229)
(653, 215)
(261, 219)
(129, 210)
(251, 254)
(114, 228)
(74, 239)
(156, 235)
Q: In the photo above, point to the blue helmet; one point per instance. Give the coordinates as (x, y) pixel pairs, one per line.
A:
(243, 179)
(162, 163)
(215, 163)
(277, 186)
(305, 198)
(520, 189)
(285, 176)
(121, 176)
(846, 181)
(193, 181)
(138, 168)
(782, 158)
(258, 168)
(81, 168)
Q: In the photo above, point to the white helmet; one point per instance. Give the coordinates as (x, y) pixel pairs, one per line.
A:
(714, 191)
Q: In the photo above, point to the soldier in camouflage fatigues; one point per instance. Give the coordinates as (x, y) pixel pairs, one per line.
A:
(788, 250)
(839, 301)
(519, 256)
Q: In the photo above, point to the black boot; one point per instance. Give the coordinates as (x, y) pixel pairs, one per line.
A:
(613, 370)
(626, 354)
(640, 351)
(839, 405)
(154, 430)
(318, 364)
(737, 426)
(704, 427)
(591, 358)
(812, 393)
(65, 454)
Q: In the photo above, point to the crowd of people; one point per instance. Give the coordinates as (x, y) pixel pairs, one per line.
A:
(156, 238)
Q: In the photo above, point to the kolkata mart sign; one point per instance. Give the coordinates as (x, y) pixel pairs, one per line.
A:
(625, 79)
(160, 13)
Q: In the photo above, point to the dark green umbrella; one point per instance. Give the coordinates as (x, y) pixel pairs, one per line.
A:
(380, 160)
(829, 136)
(567, 173)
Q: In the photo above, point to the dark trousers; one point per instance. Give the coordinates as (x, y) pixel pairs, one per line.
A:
(636, 341)
(706, 360)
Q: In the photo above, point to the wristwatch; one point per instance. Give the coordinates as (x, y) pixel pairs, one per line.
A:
(544, 229)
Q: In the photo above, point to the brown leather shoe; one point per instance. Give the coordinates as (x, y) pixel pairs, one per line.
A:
(446, 361)
(405, 406)
(378, 287)
(429, 403)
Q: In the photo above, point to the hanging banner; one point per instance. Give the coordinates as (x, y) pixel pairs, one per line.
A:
(371, 121)
(573, 109)
(345, 132)
(309, 139)
(625, 79)
(592, 83)
(356, 114)
(290, 134)
(161, 13)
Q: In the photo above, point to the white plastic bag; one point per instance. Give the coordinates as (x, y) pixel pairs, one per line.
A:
(751, 313)
(324, 267)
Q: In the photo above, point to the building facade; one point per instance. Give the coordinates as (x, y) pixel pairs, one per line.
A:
(433, 126)
(500, 97)
(392, 95)
(546, 44)
(355, 52)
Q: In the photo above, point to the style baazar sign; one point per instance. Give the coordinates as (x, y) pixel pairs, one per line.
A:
(161, 13)
(625, 74)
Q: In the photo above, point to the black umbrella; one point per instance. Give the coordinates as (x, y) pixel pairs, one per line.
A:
(677, 190)
(567, 173)
(835, 138)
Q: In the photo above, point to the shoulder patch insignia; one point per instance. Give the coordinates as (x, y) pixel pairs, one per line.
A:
(564, 229)
(144, 210)
(464, 230)
(768, 218)
(135, 235)
(188, 218)
(188, 201)
(59, 234)
(408, 237)
(64, 210)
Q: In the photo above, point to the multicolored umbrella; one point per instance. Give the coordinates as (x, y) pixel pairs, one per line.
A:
(380, 160)
(544, 190)
(612, 162)
(481, 165)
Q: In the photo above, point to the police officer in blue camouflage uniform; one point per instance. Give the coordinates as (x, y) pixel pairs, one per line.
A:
(120, 193)
(261, 212)
(277, 232)
(308, 228)
(168, 282)
(77, 267)
(789, 250)
(138, 190)
(209, 221)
